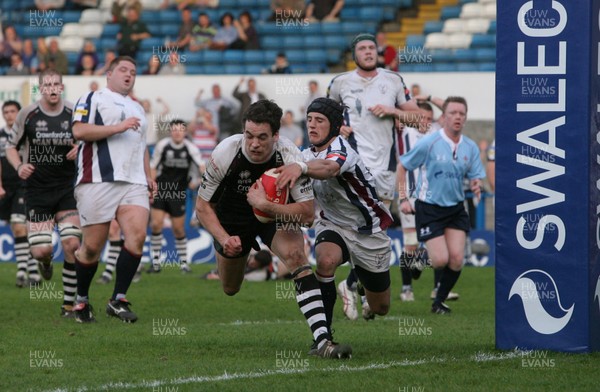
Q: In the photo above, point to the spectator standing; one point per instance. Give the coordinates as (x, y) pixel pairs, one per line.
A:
(249, 97)
(290, 129)
(185, 31)
(223, 110)
(133, 31)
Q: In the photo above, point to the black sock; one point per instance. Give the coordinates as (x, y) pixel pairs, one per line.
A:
(449, 278)
(405, 263)
(437, 276)
(85, 274)
(329, 295)
(352, 280)
(127, 265)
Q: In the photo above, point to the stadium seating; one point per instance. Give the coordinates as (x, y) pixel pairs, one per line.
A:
(462, 32)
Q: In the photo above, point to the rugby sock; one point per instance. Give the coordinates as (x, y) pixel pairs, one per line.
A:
(352, 280)
(114, 248)
(405, 263)
(310, 301)
(181, 247)
(127, 265)
(156, 244)
(22, 255)
(437, 276)
(69, 280)
(146, 252)
(329, 295)
(85, 274)
(32, 269)
(449, 278)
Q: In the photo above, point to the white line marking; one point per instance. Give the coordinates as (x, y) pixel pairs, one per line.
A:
(477, 357)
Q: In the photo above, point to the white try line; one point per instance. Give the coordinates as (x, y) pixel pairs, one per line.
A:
(240, 323)
(478, 357)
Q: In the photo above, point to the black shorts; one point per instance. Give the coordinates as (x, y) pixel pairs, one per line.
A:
(248, 233)
(431, 220)
(43, 204)
(175, 208)
(13, 203)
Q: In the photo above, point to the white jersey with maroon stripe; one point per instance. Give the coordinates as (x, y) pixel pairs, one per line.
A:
(119, 157)
(349, 199)
(410, 137)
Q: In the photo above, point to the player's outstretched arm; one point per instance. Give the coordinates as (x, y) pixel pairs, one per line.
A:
(320, 169)
(91, 132)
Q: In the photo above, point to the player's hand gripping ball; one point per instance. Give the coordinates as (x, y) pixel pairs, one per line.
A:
(274, 195)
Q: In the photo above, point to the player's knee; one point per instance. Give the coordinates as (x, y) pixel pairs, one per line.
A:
(156, 227)
(294, 257)
(178, 232)
(42, 253)
(89, 252)
(70, 245)
(326, 265)
(380, 309)
(230, 291)
(19, 229)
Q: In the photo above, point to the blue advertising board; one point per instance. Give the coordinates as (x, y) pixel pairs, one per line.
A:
(200, 246)
(548, 165)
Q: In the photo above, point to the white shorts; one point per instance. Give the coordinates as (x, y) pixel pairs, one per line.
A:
(385, 184)
(98, 202)
(372, 252)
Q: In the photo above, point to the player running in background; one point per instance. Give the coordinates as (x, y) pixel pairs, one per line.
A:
(374, 97)
(43, 131)
(12, 203)
(224, 207)
(445, 157)
(410, 137)
(114, 172)
(353, 220)
(172, 160)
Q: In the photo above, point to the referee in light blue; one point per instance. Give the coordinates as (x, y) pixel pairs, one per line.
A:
(444, 159)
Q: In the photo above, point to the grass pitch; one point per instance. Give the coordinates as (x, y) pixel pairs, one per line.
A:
(192, 337)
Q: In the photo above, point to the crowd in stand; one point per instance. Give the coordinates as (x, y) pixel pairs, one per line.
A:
(25, 57)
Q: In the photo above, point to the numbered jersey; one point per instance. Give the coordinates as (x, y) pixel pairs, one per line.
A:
(45, 139)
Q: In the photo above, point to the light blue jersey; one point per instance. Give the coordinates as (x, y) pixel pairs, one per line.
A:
(443, 166)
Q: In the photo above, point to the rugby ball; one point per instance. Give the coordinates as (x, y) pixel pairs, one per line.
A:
(279, 196)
